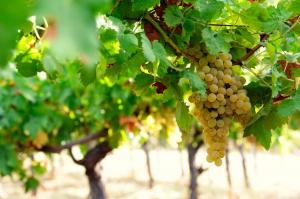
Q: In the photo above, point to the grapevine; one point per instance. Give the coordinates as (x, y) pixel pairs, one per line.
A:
(225, 99)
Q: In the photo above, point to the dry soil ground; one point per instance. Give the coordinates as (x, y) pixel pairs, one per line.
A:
(124, 174)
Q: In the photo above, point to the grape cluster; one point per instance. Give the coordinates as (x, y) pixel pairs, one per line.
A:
(225, 98)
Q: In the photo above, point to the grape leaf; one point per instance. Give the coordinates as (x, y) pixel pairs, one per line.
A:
(262, 18)
(216, 42)
(13, 15)
(31, 184)
(290, 106)
(29, 68)
(160, 53)
(209, 10)
(147, 49)
(258, 94)
(8, 159)
(173, 16)
(129, 43)
(33, 126)
(262, 135)
(195, 81)
(183, 118)
(74, 30)
(88, 74)
(143, 5)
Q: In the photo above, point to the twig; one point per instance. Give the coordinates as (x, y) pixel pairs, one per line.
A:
(230, 25)
(73, 157)
(169, 40)
(252, 51)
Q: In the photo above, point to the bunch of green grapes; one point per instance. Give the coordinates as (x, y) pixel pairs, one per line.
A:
(225, 99)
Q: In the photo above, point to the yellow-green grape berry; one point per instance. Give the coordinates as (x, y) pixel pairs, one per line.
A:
(221, 83)
(246, 106)
(215, 80)
(219, 63)
(229, 91)
(206, 69)
(214, 71)
(213, 114)
(201, 75)
(223, 102)
(209, 159)
(223, 56)
(233, 98)
(242, 96)
(209, 77)
(203, 61)
(228, 71)
(213, 88)
(228, 110)
(211, 58)
(220, 75)
(211, 97)
(218, 162)
(242, 80)
(207, 104)
(215, 104)
(220, 123)
(222, 90)
(212, 123)
(234, 88)
(221, 110)
(239, 103)
(227, 64)
(220, 97)
(227, 79)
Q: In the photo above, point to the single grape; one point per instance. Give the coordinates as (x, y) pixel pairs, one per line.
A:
(218, 162)
(214, 72)
(215, 104)
(203, 61)
(212, 123)
(227, 64)
(220, 123)
(211, 58)
(206, 69)
(213, 88)
(209, 77)
(220, 97)
(227, 78)
(221, 110)
(222, 90)
(229, 91)
(219, 63)
(211, 97)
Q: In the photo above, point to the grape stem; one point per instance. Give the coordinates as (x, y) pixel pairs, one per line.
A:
(169, 40)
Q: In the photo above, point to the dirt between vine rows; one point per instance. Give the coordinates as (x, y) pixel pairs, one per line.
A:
(271, 176)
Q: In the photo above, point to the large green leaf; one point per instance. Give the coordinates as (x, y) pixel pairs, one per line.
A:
(143, 5)
(173, 16)
(195, 81)
(8, 159)
(209, 10)
(74, 28)
(13, 15)
(216, 42)
(147, 49)
(290, 106)
(183, 118)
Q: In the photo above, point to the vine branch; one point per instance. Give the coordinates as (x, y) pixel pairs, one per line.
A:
(169, 40)
(86, 139)
(252, 50)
